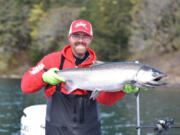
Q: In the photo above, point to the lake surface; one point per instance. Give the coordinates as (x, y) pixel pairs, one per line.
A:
(118, 119)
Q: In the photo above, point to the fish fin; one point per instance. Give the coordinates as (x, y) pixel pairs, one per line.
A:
(95, 94)
(70, 86)
(97, 62)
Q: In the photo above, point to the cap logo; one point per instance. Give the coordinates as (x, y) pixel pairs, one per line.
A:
(81, 24)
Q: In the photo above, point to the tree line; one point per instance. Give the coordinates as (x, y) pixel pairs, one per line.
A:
(33, 28)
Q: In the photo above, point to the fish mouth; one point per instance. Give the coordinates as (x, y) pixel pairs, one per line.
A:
(157, 81)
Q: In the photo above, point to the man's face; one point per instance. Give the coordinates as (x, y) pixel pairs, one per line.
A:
(80, 43)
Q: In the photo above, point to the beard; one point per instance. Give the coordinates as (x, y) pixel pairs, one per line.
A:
(80, 47)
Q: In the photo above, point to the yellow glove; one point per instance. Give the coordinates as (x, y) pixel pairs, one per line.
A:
(129, 89)
(51, 77)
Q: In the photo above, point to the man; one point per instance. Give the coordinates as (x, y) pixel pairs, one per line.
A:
(74, 113)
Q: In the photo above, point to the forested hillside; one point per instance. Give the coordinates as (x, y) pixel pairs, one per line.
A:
(124, 30)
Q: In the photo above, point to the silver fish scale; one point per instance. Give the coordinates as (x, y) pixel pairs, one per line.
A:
(106, 77)
(111, 77)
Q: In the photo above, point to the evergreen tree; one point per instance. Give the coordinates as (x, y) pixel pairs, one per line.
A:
(110, 20)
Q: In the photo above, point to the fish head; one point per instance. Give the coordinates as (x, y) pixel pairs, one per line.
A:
(149, 77)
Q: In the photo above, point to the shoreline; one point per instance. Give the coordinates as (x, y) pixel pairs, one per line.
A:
(13, 76)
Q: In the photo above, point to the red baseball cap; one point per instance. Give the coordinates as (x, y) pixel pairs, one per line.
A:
(81, 26)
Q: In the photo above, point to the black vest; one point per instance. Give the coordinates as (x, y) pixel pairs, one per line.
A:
(71, 114)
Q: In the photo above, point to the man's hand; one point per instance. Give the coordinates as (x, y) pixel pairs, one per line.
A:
(51, 77)
(129, 89)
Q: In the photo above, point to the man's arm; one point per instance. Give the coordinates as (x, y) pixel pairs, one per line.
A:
(109, 98)
(32, 80)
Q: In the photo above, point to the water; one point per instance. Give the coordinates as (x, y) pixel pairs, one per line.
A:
(118, 119)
